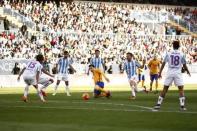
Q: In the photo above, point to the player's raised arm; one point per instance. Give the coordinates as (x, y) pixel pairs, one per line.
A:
(72, 68)
(21, 73)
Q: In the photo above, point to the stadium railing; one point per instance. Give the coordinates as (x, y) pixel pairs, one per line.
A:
(20, 18)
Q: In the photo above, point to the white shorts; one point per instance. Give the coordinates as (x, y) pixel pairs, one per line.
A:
(62, 77)
(133, 78)
(31, 80)
(177, 78)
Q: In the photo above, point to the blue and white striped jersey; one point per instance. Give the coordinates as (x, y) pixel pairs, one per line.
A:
(97, 62)
(63, 65)
(131, 68)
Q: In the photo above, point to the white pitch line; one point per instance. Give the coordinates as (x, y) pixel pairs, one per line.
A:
(86, 102)
(94, 109)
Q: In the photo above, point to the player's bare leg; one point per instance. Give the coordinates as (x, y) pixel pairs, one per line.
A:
(44, 85)
(67, 88)
(133, 95)
(55, 88)
(161, 97)
(151, 85)
(43, 93)
(24, 98)
(156, 86)
(40, 94)
(182, 98)
(103, 92)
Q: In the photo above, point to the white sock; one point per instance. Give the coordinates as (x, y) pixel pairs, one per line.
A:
(40, 93)
(182, 101)
(55, 88)
(132, 91)
(26, 90)
(67, 89)
(160, 100)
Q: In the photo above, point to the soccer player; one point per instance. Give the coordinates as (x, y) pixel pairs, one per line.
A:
(99, 84)
(62, 68)
(141, 75)
(130, 66)
(32, 75)
(175, 60)
(154, 66)
(97, 61)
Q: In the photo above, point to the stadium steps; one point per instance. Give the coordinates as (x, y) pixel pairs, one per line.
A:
(183, 28)
(14, 22)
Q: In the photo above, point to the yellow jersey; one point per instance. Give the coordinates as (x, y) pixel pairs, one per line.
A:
(154, 66)
(97, 75)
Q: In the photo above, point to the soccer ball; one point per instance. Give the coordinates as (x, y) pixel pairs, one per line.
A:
(86, 96)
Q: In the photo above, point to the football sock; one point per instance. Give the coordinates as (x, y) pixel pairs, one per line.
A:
(67, 89)
(40, 94)
(156, 85)
(160, 100)
(55, 88)
(182, 101)
(132, 91)
(26, 90)
(142, 83)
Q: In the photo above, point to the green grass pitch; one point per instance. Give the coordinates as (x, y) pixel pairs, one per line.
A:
(62, 113)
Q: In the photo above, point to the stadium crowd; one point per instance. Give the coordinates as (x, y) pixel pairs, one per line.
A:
(82, 27)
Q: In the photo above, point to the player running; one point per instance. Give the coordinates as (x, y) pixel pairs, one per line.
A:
(62, 68)
(130, 66)
(175, 60)
(141, 75)
(154, 66)
(32, 75)
(99, 84)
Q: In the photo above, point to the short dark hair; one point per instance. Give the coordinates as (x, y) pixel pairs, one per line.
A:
(97, 50)
(176, 44)
(91, 65)
(65, 52)
(39, 57)
(129, 53)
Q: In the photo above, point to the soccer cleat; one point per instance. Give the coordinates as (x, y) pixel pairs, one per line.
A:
(145, 89)
(24, 99)
(108, 94)
(43, 100)
(68, 94)
(43, 93)
(132, 98)
(54, 94)
(183, 108)
(157, 107)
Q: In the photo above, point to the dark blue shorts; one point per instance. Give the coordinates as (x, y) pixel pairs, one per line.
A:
(154, 77)
(101, 85)
(141, 77)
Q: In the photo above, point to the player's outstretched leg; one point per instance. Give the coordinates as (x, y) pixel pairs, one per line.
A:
(24, 98)
(45, 83)
(161, 97)
(55, 88)
(132, 85)
(67, 89)
(182, 98)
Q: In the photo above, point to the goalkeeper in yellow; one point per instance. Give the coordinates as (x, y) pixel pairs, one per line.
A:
(99, 84)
